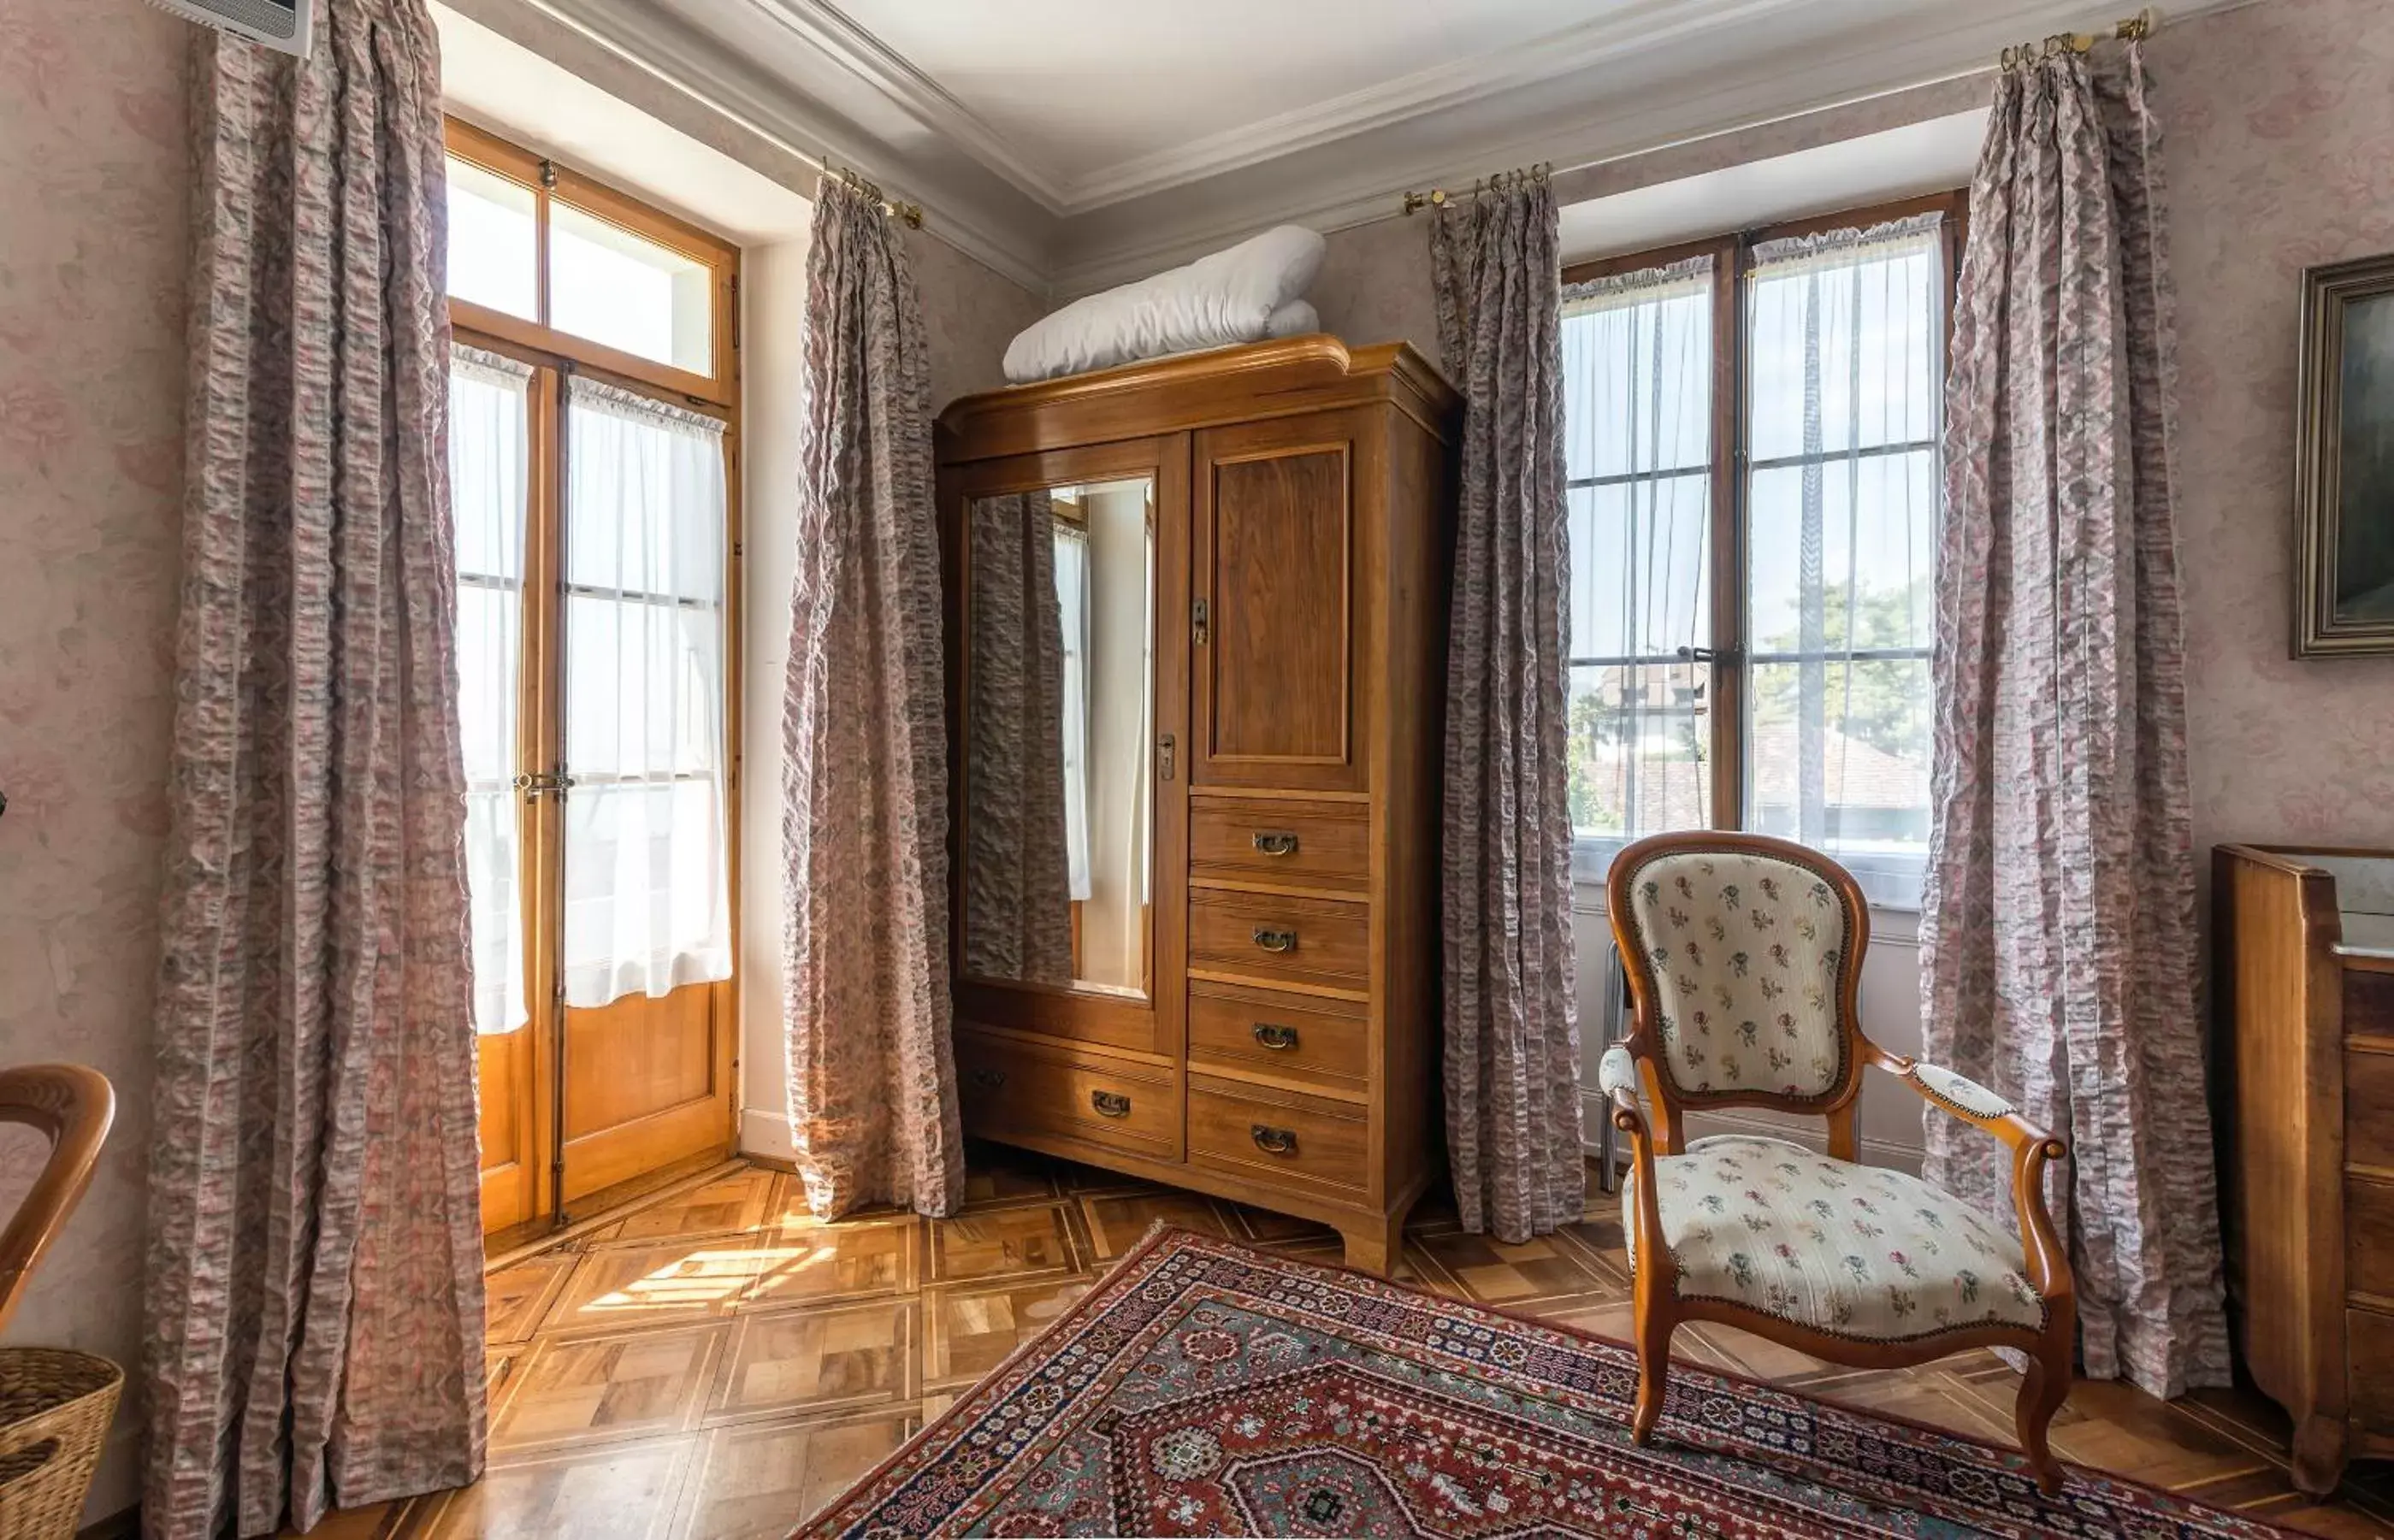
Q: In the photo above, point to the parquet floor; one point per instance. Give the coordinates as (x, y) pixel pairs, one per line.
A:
(712, 1362)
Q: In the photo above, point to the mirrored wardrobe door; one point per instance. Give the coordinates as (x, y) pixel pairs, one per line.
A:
(1060, 747)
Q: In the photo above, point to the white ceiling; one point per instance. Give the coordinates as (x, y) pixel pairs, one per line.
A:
(1075, 143)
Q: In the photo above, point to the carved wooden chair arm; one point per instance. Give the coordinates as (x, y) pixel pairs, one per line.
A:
(2033, 1149)
(1616, 1076)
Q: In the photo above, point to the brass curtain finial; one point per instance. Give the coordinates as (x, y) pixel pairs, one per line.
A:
(2134, 29)
(1438, 197)
(911, 213)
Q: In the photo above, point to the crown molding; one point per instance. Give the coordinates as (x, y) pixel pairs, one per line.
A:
(971, 208)
(1586, 117)
(1636, 28)
(1656, 74)
(837, 35)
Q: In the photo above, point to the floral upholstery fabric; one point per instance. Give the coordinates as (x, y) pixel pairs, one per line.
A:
(1744, 951)
(1960, 1090)
(1856, 1250)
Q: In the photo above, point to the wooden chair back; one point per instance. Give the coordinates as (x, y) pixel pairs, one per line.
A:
(72, 1105)
(1837, 1099)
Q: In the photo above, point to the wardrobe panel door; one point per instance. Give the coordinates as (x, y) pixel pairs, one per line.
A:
(1278, 561)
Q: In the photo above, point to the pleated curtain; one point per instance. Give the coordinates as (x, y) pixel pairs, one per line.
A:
(315, 1256)
(1512, 1030)
(2058, 957)
(864, 817)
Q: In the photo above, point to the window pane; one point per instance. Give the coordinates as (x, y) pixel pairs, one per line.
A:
(1843, 416)
(628, 292)
(1640, 749)
(1844, 347)
(1641, 567)
(493, 250)
(1638, 352)
(646, 862)
(1848, 740)
(488, 433)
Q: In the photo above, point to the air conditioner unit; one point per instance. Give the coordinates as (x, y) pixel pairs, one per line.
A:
(280, 24)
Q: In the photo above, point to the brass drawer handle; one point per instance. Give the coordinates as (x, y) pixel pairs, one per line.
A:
(989, 1079)
(1108, 1104)
(1274, 1035)
(1273, 1140)
(1276, 842)
(1275, 941)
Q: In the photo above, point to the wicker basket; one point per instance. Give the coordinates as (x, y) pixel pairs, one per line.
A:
(55, 1408)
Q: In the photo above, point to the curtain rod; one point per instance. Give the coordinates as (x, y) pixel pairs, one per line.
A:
(1437, 197)
(910, 212)
(2135, 29)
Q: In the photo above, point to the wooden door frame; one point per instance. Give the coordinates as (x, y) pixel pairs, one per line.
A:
(553, 355)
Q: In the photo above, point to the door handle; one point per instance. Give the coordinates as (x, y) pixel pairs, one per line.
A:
(1274, 1036)
(1273, 1140)
(1108, 1104)
(1272, 842)
(1166, 748)
(989, 1079)
(1275, 941)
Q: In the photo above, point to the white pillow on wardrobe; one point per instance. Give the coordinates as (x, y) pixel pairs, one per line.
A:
(1231, 296)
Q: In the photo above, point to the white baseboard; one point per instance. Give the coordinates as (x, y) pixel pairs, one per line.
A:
(1807, 1131)
(766, 1133)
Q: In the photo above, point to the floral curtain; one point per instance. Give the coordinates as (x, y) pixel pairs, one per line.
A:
(315, 1260)
(2058, 953)
(1017, 876)
(1512, 1029)
(864, 814)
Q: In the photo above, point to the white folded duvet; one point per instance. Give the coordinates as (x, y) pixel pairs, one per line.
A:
(1251, 291)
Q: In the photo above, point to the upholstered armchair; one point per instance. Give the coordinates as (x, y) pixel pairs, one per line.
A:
(1744, 954)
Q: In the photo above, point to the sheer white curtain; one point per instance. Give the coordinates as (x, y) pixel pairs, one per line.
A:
(489, 478)
(1638, 357)
(1073, 600)
(1844, 370)
(647, 888)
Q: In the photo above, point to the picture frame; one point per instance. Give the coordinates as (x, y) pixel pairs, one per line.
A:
(2344, 461)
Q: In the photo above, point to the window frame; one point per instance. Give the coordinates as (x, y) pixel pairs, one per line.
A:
(534, 1053)
(1726, 651)
(548, 182)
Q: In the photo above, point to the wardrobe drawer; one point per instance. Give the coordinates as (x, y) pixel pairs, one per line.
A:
(1267, 1135)
(1262, 839)
(1316, 941)
(2369, 1108)
(2368, 1347)
(1304, 1036)
(1006, 1088)
(2368, 1237)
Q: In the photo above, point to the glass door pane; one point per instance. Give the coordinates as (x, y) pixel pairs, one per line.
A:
(490, 482)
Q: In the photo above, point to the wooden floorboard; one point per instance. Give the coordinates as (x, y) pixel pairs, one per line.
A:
(710, 1363)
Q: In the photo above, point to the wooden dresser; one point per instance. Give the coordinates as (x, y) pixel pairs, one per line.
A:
(1196, 649)
(2305, 940)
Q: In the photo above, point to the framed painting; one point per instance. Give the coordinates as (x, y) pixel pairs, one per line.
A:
(2344, 461)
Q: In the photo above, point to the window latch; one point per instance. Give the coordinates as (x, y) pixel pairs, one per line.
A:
(1712, 655)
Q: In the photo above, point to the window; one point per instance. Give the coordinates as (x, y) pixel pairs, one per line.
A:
(1751, 447)
(540, 255)
(592, 425)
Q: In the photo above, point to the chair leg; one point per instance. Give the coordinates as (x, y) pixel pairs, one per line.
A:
(2042, 1391)
(1655, 1328)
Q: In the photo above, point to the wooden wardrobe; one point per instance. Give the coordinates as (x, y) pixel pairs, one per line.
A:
(1196, 655)
(2304, 941)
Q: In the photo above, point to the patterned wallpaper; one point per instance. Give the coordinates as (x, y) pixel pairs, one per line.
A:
(92, 260)
(2279, 144)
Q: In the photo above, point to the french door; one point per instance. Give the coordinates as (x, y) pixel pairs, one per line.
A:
(593, 466)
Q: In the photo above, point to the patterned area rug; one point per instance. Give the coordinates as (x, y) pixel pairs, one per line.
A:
(1207, 1388)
